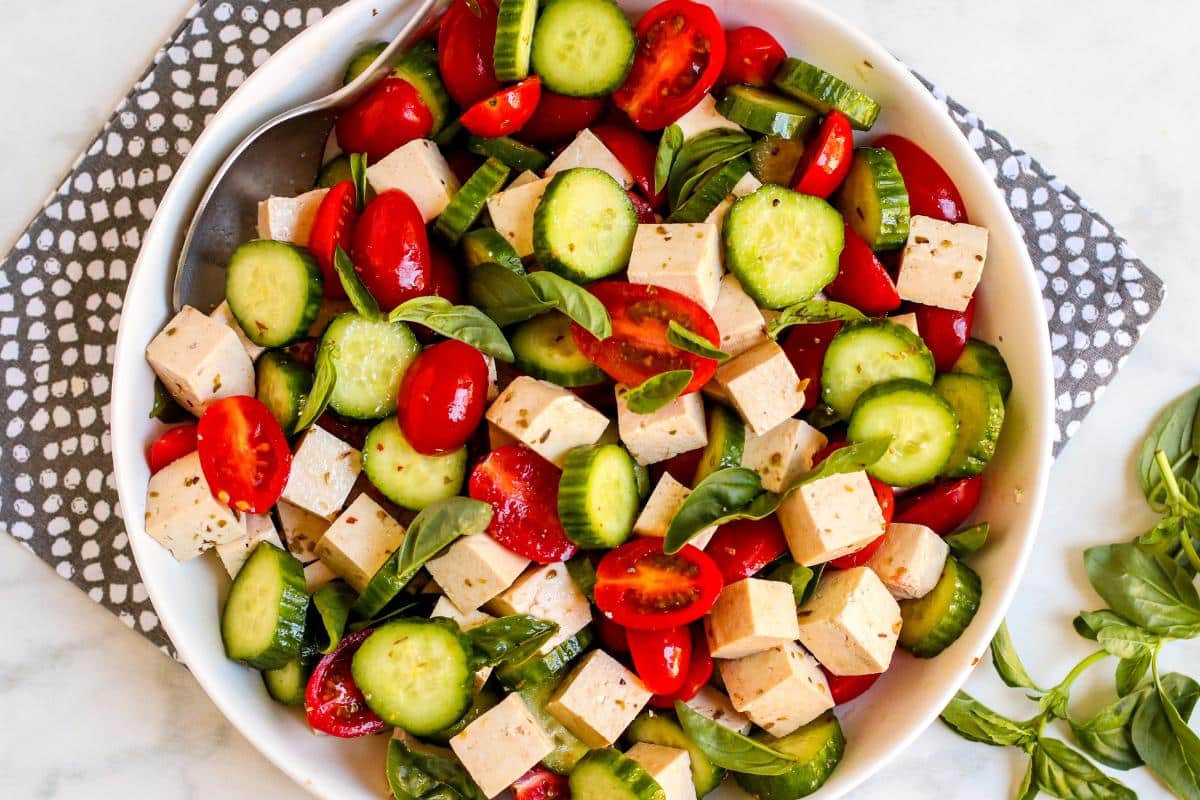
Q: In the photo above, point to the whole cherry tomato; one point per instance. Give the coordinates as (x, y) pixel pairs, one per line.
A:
(559, 117)
(862, 280)
(636, 154)
(172, 446)
(465, 42)
(680, 54)
(390, 115)
(443, 397)
(681, 467)
(506, 111)
(541, 784)
(943, 507)
(641, 587)
(945, 332)
(391, 250)
(333, 227)
(751, 56)
(661, 657)
(333, 703)
(826, 161)
(444, 280)
(805, 347)
(244, 453)
(698, 675)
(522, 488)
(886, 499)
(931, 193)
(613, 637)
(743, 547)
(844, 688)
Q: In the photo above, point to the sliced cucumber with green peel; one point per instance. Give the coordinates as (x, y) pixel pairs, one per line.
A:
(262, 624)
(654, 727)
(568, 748)
(979, 406)
(782, 245)
(982, 359)
(608, 775)
(934, 622)
(584, 226)
(712, 190)
(866, 353)
(545, 348)
(334, 172)
(484, 700)
(766, 112)
(404, 476)
(923, 427)
(583, 48)
(774, 160)
(468, 202)
(542, 666)
(363, 59)
(514, 38)
(488, 246)
(274, 291)
(287, 684)
(824, 92)
(370, 357)
(726, 442)
(817, 749)
(515, 154)
(282, 384)
(598, 496)
(874, 199)
(419, 66)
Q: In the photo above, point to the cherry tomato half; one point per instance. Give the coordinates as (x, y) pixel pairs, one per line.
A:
(522, 488)
(862, 281)
(886, 499)
(506, 111)
(332, 702)
(943, 507)
(391, 250)
(389, 115)
(638, 348)
(743, 547)
(171, 446)
(636, 154)
(945, 332)
(844, 688)
(465, 43)
(931, 193)
(661, 657)
(642, 588)
(333, 227)
(805, 347)
(752, 56)
(244, 453)
(541, 784)
(680, 54)
(698, 675)
(827, 160)
(559, 117)
(442, 397)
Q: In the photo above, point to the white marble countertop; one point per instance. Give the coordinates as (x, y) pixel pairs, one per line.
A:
(1097, 94)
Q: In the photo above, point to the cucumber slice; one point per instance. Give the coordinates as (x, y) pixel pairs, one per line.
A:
(598, 496)
(774, 160)
(334, 172)
(568, 748)
(874, 199)
(817, 749)
(514, 38)
(712, 190)
(922, 425)
(262, 624)
(766, 112)
(404, 476)
(583, 48)
(982, 359)
(468, 202)
(824, 92)
(656, 728)
(782, 245)
(726, 442)
(866, 353)
(509, 151)
(488, 246)
(274, 291)
(584, 226)
(363, 59)
(980, 410)
(483, 700)
(370, 357)
(282, 384)
(545, 348)
(934, 622)
(542, 666)
(287, 684)
(608, 775)
(419, 66)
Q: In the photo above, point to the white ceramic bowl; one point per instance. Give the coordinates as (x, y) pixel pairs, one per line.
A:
(881, 724)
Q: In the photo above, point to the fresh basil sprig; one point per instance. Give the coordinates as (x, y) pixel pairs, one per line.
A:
(332, 603)
(972, 720)
(701, 154)
(810, 312)
(1166, 744)
(464, 323)
(1108, 734)
(729, 749)
(1062, 772)
(358, 175)
(362, 300)
(693, 343)
(657, 390)
(583, 307)
(318, 397)
(1174, 433)
(1148, 589)
(510, 638)
(668, 148)
(1008, 663)
(508, 298)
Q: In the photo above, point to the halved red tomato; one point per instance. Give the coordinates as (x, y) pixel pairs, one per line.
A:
(698, 675)
(243, 453)
(506, 111)
(171, 446)
(862, 280)
(638, 348)
(333, 227)
(391, 249)
(752, 56)
(333, 703)
(826, 161)
(541, 784)
(390, 115)
(743, 547)
(661, 657)
(642, 588)
(942, 507)
(522, 488)
(636, 154)
(465, 42)
(559, 117)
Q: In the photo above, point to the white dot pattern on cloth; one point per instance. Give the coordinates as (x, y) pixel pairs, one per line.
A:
(61, 290)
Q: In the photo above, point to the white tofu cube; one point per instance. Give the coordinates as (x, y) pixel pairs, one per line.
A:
(763, 386)
(598, 699)
(418, 170)
(546, 418)
(714, 704)
(512, 213)
(670, 767)
(547, 592)
(750, 616)
(783, 454)
(780, 689)
(324, 469)
(528, 176)
(317, 576)
(908, 320)
(475, 569)
(738, 318)
(181, 513)
(200, 360)
(301, 530)
(224, 315)
(704, 117)
(259, 528)
(503, 744)
(748, 184)
(289, 219)
(359, 541)
(675, 428)
(910, 561)
(684, 257)
(830, 518)
(466, 620)
(662, 506)
(497, 438)
(851, 623)
(942, 262)
(588, 151)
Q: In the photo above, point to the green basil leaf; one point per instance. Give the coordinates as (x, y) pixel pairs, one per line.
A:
(1166, 744)
(417, 771)
(503, 295)
(1108, 735)
(1148, 589)
(823, 417)
(576, 302)
(464, 323)
(1165, 534)
(508, 638)
(1089, 623)
(358, 174)
(165, 409)
(1062, 772)
(668, 149)
(657, 391)
(1126, 641)
(1130, 672)
(972, 720)
(693, 343)
(583, 573)
(715, 500)
(810, 312)
(800, 577)
(1175, 434)
(1008, 663)
(811, 589)
(1055, 701)
(1028, 790)
(360, 298)
(968, 540)
(332, 603)
(318, 397)
(730, 749)
(701, 153)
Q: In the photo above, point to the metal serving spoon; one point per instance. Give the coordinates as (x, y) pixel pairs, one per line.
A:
(280, 158)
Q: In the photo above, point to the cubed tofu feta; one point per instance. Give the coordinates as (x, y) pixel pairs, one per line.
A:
(497, 438)
(942, 262)
(512, 213)
(301, 530)
(588, 151)
(704, 117)
(598, 699)
(418, 170)
(224, 315)
(528, 176)
(503, 744)
(317, 576)
(750, 616)
(829, 518)
(662, 506)
(259, 528)
(738, 318)
(779, 689)
(714, 704)
(675, 428)
(546, 418)
(851, 623)
(763, 386)
(289, 219)
(670, 767)
(324, 469)
(200, 360)
(685, 257)
(475, 569)
(359, 541)
(784, 453)
(910, 561)
(547, 592)
(748, 184)
(908, 320)
(466, 620)
(181, 513)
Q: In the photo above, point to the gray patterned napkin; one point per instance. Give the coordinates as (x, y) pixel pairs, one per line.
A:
(61, 290)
